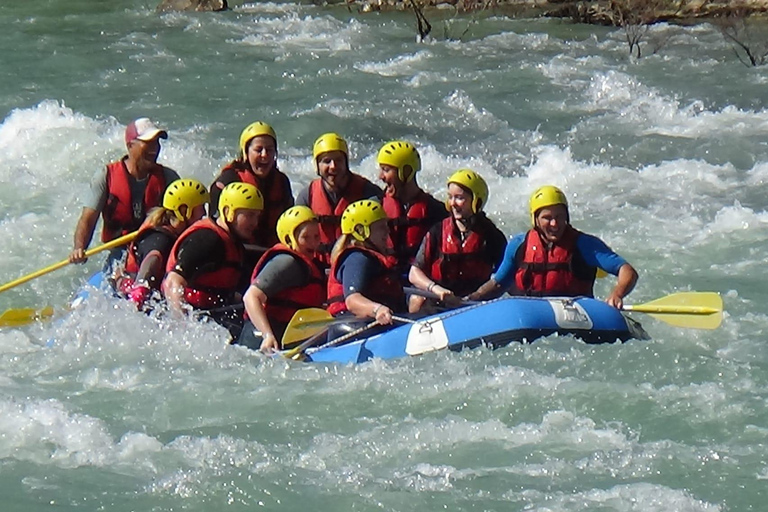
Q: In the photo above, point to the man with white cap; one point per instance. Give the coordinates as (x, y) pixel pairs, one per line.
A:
(126, 191)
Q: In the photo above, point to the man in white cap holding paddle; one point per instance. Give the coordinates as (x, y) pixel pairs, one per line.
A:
(125, 191)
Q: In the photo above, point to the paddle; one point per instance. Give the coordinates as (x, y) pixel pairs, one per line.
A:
(697, 310)
(305, 323)
(411, 290)
(56, 266)
(297, 352)
(23, 316)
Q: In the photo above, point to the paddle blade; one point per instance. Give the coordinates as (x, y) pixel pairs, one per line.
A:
(24, 316)
(304, 324)
(696, 310)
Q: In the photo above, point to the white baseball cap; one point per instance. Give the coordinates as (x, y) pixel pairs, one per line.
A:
(143, 129)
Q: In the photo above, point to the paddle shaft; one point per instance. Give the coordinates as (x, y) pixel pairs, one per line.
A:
(117, 242)
(674, 310)
(411, 290)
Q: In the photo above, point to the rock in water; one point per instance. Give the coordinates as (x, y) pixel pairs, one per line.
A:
(192, 5)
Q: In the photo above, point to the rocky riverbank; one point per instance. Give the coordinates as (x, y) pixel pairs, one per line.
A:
(602, 12)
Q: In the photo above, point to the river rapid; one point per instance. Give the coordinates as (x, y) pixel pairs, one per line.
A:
(665, 158)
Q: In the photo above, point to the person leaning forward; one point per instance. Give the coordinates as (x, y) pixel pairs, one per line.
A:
(335, 189)
(411, 210)
(555, 259)
(286, 279)
(183, 205)
(125, 191)
(205, 265)
(364, 280)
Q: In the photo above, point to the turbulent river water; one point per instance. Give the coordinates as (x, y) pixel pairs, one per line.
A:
(665, 158)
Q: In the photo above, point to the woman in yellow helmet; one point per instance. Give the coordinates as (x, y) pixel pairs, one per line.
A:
(335, 188)
(206, 262)
(554, 259)
(363, 280)
(459, 254)
(183, 204)
(256, 164)
(286, 279)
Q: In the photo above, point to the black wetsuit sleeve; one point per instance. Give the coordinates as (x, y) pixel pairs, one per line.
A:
(201, 251)
(288, 200)
(372, 191)
(154, 241)
(436, 211)
(225, 178)
(496, 245)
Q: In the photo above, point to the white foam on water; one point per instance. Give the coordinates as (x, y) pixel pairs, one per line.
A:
(47, 432)
(638, 497)
(402, 65)
(323, 35)
(647, 111)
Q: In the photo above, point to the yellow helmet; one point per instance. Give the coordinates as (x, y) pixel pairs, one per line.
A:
(289, 222)
(189, 193)
(329, 142)
(254, 130)
(239, 195)
(400, 154)
(473, 182)
(542, 197)
(361, 213)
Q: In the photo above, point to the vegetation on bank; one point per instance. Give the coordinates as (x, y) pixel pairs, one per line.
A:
(741, 22)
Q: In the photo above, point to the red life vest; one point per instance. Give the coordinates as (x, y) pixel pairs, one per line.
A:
(460, 266)
(558, 270)
(330, 215)
(407, 229)
(276, 189)
(283, 305)
(385, 288)
(118, 215)
(211, 287)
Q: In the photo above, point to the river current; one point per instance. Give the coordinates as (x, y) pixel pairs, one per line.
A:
(665, 158)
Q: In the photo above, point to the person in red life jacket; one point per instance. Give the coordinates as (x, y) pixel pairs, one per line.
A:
(363, 279)
(460, 253)
(205, 264)
(125, 192)
(286, 279)
(257, 165)
(183, 204)
(336, 188)
(555, 259)
(410, 209)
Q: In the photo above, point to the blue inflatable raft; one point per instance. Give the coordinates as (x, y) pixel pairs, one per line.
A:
(496, 323)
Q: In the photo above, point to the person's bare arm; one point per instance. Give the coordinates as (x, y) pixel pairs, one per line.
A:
(83, 234)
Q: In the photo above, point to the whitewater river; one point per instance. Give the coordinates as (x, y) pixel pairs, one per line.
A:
(665, 158)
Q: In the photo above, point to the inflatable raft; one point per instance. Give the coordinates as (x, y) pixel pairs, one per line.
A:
(495, 324)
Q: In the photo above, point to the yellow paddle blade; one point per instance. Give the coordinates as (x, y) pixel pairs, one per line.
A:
(304, 324)
(24, 316)
(696, 310)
